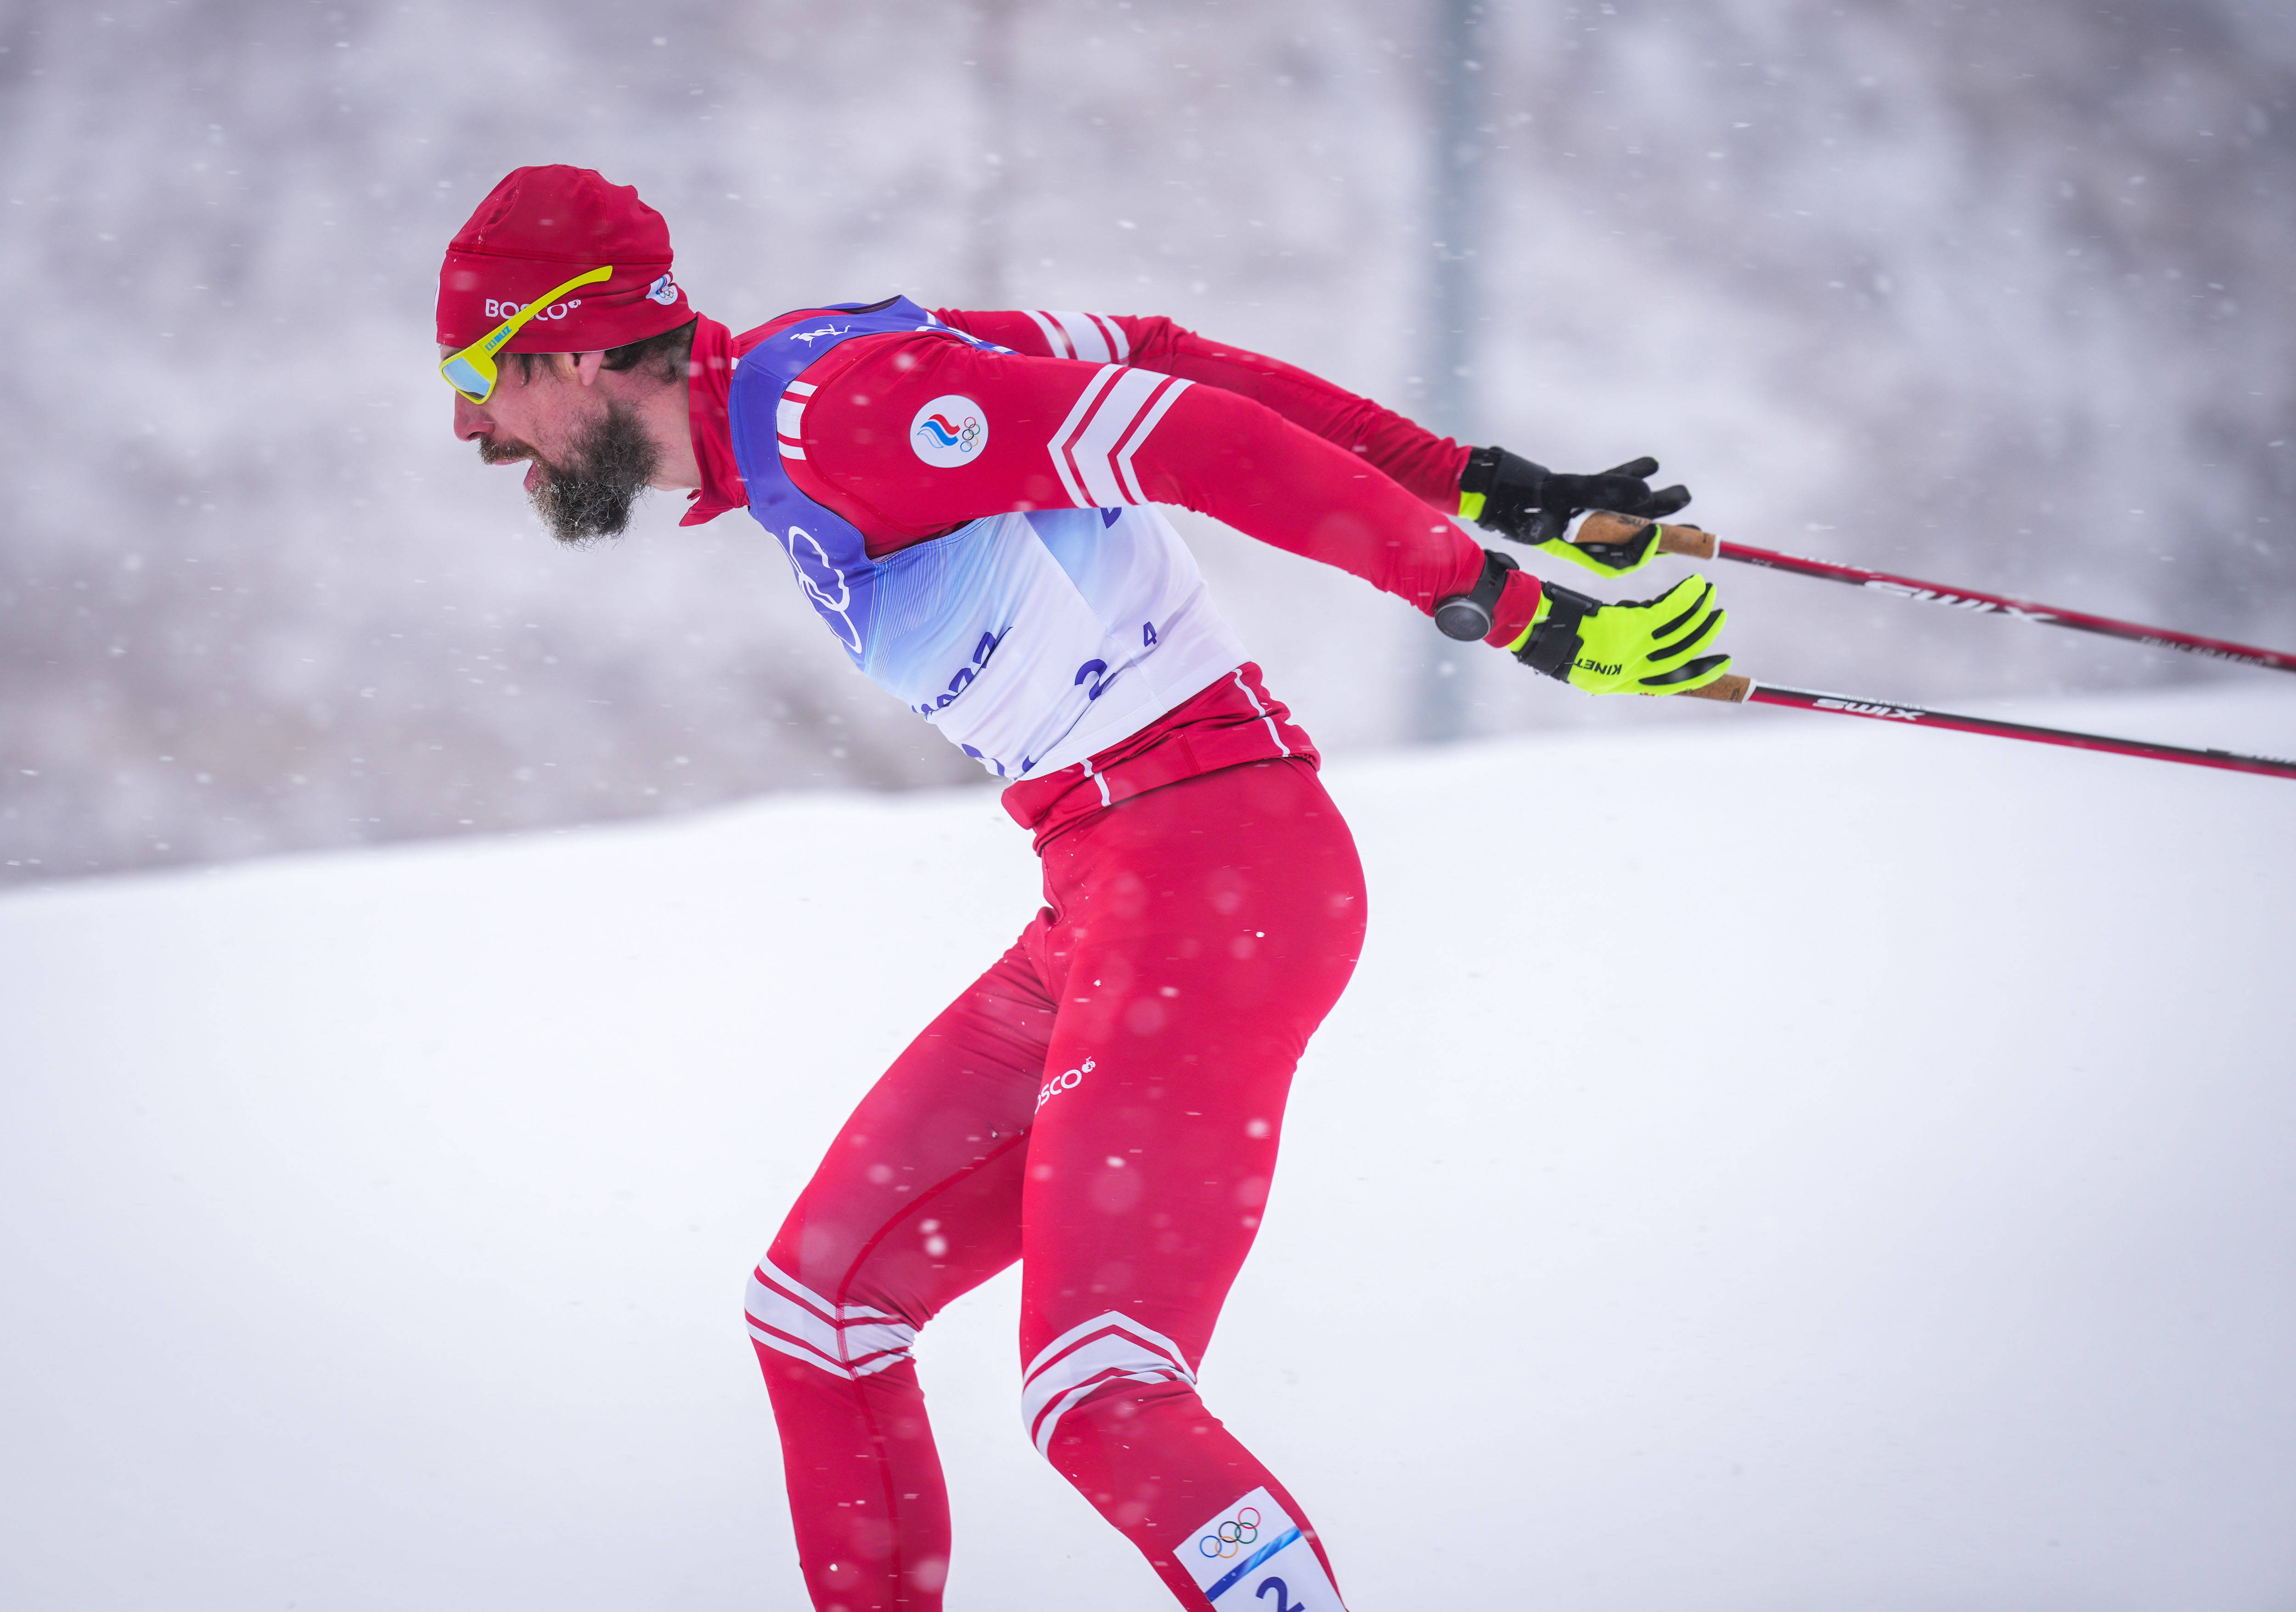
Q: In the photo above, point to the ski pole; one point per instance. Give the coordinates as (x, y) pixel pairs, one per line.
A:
(1695, 543)
(1740, 689)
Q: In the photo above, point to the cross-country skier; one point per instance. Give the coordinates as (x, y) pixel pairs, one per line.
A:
(968, 501)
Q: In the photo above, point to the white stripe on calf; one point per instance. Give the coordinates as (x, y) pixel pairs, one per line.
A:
(1108, 1348)
(768, 1271)
(849, 1341)
(1106, 1322)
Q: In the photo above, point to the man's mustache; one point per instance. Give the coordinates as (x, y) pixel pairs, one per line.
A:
(504, 452)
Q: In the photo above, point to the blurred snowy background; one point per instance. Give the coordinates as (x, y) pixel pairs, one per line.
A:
(373, 1226)
(1998, 295)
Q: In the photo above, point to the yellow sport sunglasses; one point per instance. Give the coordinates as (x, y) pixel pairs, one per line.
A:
(472, 371)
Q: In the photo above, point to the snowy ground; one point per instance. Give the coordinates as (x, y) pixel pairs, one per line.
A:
(1920, 1234)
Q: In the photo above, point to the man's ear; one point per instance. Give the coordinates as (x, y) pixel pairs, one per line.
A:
(587, 367)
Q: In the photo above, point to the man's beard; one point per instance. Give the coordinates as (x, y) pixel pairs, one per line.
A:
(591, 492)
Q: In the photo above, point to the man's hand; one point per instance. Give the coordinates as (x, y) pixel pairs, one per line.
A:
(1648, 646)
(1508, 493)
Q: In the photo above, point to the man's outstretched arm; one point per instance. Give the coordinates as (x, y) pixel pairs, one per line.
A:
(1427, 465)
(1055, 433)
(1499, 490)
(1059, 433)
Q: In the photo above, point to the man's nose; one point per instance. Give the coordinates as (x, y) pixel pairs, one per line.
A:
(470, 419)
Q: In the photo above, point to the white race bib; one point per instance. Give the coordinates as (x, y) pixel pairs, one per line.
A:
(1252, 1558)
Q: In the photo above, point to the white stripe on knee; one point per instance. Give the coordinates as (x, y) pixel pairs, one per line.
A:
(844, 1340)
(1108, 1348)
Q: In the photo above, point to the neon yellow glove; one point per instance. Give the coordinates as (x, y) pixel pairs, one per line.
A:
(1647, 646)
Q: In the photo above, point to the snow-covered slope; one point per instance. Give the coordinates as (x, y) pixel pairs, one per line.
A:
(1774, 1163)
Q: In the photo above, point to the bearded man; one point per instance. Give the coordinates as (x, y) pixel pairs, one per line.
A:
(967, 500)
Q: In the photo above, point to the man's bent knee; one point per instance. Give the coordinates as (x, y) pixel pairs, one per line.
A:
(1108, 1350)
(851, 1341)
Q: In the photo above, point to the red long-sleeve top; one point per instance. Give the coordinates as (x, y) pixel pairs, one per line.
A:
(1271, 450)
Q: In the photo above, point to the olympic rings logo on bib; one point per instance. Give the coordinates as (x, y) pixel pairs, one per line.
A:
(948, 431)
(1232, 1534)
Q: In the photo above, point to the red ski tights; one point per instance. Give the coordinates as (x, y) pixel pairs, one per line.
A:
(1103, 1105)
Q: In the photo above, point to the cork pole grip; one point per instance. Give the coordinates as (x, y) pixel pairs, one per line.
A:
(1601, 526)
(1729, 686)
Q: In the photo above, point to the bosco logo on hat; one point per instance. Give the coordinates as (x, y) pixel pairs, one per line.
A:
(538, 229)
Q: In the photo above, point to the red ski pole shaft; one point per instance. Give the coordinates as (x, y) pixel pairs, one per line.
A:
(1744, 690)
(1696, 544)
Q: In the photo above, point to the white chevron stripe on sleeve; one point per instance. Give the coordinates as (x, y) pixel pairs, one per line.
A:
(1110, 1347)
(1119, 347)
(1165, 396)
(1078, 418)
(849, 1341)
(1091, 453)
(1087, 337)
(1056, 344)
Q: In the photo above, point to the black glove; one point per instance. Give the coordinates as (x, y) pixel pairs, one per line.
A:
(1508, 493)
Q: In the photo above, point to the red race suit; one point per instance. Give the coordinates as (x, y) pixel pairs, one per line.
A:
(1104, 1103)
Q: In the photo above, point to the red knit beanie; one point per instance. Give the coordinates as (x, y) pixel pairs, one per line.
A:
(539, 228)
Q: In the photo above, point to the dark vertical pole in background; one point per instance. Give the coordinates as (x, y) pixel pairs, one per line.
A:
(1455, 199)
(988, 220)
